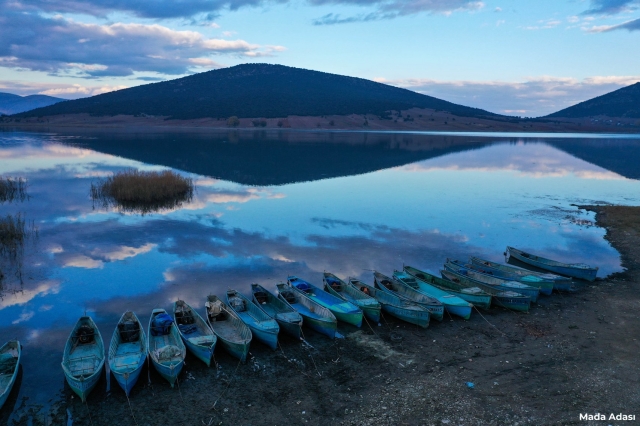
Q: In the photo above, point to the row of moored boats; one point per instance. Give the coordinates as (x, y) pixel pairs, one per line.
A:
(412, 295)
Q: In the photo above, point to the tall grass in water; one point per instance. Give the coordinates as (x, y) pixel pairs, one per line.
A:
(144, 192)
(14, 232)
(13, 189)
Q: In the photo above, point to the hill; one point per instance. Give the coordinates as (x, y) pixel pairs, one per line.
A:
(623, 102)
(14, 104)
(256, 90)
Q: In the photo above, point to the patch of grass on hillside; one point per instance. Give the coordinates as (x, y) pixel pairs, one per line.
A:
(144, 192)
(13, 189)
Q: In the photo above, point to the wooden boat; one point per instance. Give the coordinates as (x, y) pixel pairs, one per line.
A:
(370, 307)
(195, 332)
(490, 280)
(452, 304)
(343, 311)
(262, 326)
(543, 286)
(559, 282)
(288, 319)
(166, 349)
(575, 270)
(127, 351)
(10, 354)
(83, 357)
(233, 334)
(395, 305)
(316, 316)
(506, 299)
(390, 285)
(474, 295)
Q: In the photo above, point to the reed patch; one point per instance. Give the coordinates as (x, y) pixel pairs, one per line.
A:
(13, 189)
(143, 191)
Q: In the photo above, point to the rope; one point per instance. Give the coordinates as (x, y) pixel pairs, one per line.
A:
(364, 317)
(179, 392)
(289, 360)
(88, 412)
(228, 384)
(131, 409)
(311, 356)
(479, 313)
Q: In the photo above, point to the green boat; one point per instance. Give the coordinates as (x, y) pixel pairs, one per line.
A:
(395, 305)
(398, 288)
(370, 306)
(545, 286)
(452, 304)
(474, 295)
(506, 299)
(560, 283)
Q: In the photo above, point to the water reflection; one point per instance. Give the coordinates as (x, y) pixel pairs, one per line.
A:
(355, 203)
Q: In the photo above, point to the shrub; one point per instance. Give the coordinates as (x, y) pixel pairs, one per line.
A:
(134, 190)
(233, 121)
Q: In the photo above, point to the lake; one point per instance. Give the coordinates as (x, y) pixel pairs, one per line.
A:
(271, 204)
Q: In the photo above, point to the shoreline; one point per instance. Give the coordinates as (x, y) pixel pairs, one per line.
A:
(573, 354)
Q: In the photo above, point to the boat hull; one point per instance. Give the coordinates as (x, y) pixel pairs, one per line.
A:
(514, 304)
(291, 328)
(372, 312)
(483, 302)
(461, 311)
(268, 337)
(531, 292)
(128, 380)
(4, 393)
(328, 328)
(587, 274)
(82, 388)
(419, 318)
(202, 352)
(353, 318)
(169, 373)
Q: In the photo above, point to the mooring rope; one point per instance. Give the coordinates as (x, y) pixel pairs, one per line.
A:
(228, 384)
(310, 355)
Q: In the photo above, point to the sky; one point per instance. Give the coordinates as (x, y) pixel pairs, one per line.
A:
(516, 57)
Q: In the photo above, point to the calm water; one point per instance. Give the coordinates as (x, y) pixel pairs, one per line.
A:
(272, 204)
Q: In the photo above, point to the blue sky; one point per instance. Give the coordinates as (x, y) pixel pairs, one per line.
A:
(508, 56)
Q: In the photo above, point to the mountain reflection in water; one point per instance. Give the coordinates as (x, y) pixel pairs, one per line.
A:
(271, 204)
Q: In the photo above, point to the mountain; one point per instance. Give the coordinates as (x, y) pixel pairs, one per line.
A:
(623, 102)
(14, 104)
(256, 90)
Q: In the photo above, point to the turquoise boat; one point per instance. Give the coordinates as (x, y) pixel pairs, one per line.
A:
(575, 270)
(390, 285)
(83, 357)
(394, 305)
(166, 349)
(506, 299)
(560, 283)
(452, 304)
(370, 307)
(10, 354)
(474, 295)
(288, 318)
(232, 333)
(194, 331)
(262, 326)
(544, 286)
(316, 316)
(343, 311)
(490, 280)
(127, 351)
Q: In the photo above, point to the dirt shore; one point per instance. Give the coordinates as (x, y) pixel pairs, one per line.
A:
(415, 119)
(573, 353)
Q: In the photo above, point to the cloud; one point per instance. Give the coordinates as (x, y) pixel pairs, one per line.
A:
(63, 46)
(141, 8)
(633, 25)
(60, 90)
(611, 7)
(122, 252)
(536, 96)
(389, 9)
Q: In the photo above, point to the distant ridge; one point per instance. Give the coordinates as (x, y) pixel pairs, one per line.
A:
(256, 90)
(14, 104)
(623, 102)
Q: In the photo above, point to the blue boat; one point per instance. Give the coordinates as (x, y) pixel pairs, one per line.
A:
(506, 299)
(395, 305)
(560, 283)
(452, 304)
(315, 316)
(127, 351)
(10, 354)
(166, 349)
(233, 334)
(194, 331)
(544, 286)
(490, 280)
(393, 286)
(83, 357)
(370, 307)
(575, 270)
(343, 311)
(474, 295)
(262, 326)
(288, 319)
